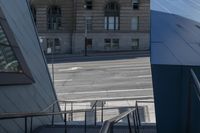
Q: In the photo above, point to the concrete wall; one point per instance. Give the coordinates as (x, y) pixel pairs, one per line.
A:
(25, 98)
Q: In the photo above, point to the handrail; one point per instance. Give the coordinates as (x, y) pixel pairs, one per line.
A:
(196, 82)
(108, 125)
(23, 115)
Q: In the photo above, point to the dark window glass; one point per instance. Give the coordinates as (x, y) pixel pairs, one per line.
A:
(135, 4)
(89, 43)
(54, 18)
(88, 4)
(8, 60)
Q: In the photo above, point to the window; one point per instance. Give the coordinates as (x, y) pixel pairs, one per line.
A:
(88, 21)
(135, 23)
(135, 4)
(89, 43)
(107, 43)
(112, 12)
(88, 4)
(53, 45)
(111, 44)
(115, 43)
(34, 13)
(135, 44)
(54, 18)
(13, 69)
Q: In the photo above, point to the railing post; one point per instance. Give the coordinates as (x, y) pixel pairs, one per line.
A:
(25, 125)
(95, 113)
(85, 126)
(138, 114)
(134, 122)
(102, 111)
(65, 119)
(52, 119)
(129, 124)
(31, 126)
(111, 129)
(71, 111)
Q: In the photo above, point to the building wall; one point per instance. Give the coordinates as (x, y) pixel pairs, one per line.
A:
(125, 41)
(25, 98)
(73, 23)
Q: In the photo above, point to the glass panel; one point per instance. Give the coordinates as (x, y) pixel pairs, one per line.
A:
(107, 43)
(134, 23)
(111, 21)
(135, 44)
(8, 60)
(116, 23)
(115, 43)
(57, 45)
(54, 18)
(89, 23)
(105, 23)
(3, 39)
(89, 43)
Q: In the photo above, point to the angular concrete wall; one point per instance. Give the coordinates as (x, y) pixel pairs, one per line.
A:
(25, 98)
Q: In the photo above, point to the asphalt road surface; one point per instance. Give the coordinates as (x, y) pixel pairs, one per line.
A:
(103, 77)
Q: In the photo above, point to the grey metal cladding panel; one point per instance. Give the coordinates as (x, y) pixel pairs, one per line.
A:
(26, 98)
(174, 33)
(19, 19)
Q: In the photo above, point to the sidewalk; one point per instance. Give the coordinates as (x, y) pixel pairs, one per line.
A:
(121, 53)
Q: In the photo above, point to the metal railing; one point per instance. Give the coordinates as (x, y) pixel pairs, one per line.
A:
(109, 124)
(45, 112)
(97, 106)
(196, 83)
(194, 92)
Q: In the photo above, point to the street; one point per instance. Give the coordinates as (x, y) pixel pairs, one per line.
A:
(103, 77)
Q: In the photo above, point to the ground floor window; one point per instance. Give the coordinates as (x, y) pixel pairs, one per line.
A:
(89, 43)
(53, 45)
(111, 44)
(107, 43)
(135, 44)
(115, 43)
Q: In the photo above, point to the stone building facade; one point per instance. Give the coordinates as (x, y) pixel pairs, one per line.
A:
(71, 26)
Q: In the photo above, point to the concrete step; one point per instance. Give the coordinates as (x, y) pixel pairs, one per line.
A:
(92, 129)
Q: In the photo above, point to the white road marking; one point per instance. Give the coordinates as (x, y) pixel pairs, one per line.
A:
(144, 76)
(63, 80)
(107, 91)
(69, 69)
(114, 98)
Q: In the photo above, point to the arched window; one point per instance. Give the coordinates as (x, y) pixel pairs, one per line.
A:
(54, 18)
(34, 12)
(112, 13)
